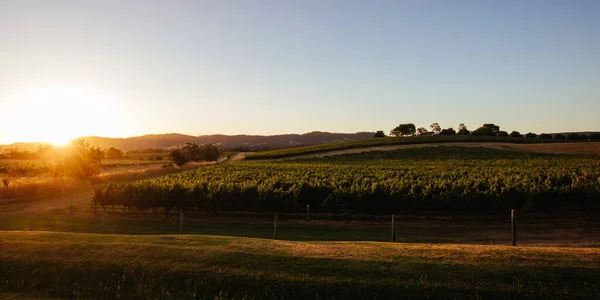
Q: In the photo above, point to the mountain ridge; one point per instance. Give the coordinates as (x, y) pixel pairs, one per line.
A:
(240, 141)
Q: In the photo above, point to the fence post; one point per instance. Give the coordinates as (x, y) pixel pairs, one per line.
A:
(513, 222)
(275, 227)
(308, 211)
(180, 223)
(393, 228)
(31, 221)
(102, 223)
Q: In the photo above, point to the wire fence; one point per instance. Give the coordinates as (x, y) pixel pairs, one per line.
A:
(532, 229)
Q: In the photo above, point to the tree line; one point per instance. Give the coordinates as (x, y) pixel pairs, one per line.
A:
(409, 129)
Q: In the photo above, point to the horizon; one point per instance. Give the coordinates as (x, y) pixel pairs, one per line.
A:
(110, 69)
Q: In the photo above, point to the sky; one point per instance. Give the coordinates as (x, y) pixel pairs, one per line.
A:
(126, 68)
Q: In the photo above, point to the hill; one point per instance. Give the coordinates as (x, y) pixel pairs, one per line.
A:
(240, 142)
(388, 142)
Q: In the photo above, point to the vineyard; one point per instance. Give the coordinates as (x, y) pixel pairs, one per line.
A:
(388, 141)
(448, 180)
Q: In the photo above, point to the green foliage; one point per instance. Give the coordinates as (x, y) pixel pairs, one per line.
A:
(502, 133)
(178, 157)
(195, 152)
(453, 179)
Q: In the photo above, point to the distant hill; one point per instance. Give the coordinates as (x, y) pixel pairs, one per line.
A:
(241, 142)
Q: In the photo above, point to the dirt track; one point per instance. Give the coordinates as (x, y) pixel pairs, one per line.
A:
(591, 148)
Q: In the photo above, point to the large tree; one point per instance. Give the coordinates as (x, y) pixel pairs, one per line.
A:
(404, 130)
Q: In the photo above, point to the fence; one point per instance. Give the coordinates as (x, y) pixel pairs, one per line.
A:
(533, 230)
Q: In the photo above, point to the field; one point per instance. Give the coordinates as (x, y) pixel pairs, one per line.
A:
(452, 231)
(291, 152)
(444, 180)
(66, 265)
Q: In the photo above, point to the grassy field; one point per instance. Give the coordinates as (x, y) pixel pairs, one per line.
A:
(289, 152)
(67, 265)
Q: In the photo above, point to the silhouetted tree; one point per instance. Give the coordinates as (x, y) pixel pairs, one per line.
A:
(421, 130)
(583, 137)
(113, 153)
(448, 131)
(435, 127)
(379, 134)
(573, 136)
(462, 129)
(502, 133)
(404, 130)
(483, 131)
(515, 134)
(595, 137)
(494, 128)
(558, 136)
(531, 135)
(544, 136)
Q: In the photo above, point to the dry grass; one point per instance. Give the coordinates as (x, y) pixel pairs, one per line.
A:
(159, 267)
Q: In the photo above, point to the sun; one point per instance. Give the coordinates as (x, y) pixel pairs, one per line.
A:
(57, 114)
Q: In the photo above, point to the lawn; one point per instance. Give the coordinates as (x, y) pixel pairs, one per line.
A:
(68, 265)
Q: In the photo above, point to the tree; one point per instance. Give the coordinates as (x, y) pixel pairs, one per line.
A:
(81, 160)
(544, 136)
(379, 134)
(531, 135)
(573, 136)
(494, 128)
(502, 133)
(558, 136)
(449, 131)
(483, 131)
(595, 137)
(178, 157)
(462, 129)
(515, 134)
(435, 127)
(404, 130)
(113, 153)
(421, 130)
(583, 137)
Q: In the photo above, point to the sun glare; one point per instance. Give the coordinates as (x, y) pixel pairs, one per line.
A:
(57, 114)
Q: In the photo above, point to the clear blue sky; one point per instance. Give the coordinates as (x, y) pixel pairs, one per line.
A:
(268, 67)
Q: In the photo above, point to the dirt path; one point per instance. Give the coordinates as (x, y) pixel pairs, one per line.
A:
(590, 148)
(81, 198)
